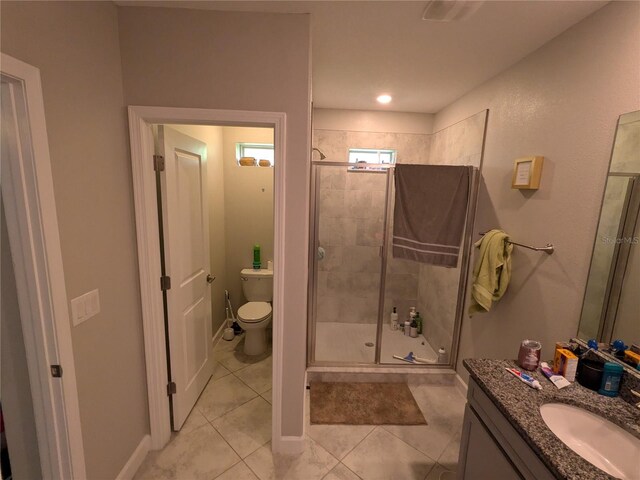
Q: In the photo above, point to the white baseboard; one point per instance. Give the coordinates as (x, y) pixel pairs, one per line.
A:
(289, 445)
(462, 387)
(218, 334)
(135, 460)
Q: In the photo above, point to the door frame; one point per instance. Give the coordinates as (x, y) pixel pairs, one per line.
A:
(32, 224)
(141, 118)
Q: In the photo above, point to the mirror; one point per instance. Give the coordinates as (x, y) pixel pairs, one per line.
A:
(611, 305)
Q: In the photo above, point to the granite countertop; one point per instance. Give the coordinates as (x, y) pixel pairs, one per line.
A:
(520, 404)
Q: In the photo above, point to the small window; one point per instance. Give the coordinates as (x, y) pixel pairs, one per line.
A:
(259, 151)
(368, 155)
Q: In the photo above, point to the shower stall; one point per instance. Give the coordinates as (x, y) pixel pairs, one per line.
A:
(355, 281)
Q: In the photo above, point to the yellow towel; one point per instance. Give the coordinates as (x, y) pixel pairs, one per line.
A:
(492, 271)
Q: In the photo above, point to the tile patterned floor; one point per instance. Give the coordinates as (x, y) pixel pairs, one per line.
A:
(227, 435)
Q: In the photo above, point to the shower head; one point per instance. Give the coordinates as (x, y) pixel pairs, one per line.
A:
(322, 155)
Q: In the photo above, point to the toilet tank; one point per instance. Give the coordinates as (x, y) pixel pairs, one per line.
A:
(257, 285)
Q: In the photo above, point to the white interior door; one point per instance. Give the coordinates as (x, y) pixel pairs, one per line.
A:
(186, 253)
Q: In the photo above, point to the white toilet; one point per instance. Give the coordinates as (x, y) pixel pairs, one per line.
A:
(255, 315)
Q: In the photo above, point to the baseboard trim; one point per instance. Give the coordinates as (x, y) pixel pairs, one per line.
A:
(288, 445)
(135, 460)
(462, 387)
(218, 334)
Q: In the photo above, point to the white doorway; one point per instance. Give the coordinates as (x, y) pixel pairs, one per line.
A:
(34, 243)
(142, 142)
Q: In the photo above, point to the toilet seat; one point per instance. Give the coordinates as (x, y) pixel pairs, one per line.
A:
(253, 312)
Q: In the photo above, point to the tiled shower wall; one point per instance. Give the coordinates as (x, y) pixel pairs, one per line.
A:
(459, 144)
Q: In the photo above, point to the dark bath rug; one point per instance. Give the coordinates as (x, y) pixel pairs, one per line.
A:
(363, 404)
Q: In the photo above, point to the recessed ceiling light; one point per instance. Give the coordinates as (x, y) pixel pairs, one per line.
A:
(384, 98)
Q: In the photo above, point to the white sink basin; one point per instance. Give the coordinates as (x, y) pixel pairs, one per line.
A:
(598, 441)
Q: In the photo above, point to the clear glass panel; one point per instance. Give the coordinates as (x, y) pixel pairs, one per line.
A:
(407, 285)
(350, 231)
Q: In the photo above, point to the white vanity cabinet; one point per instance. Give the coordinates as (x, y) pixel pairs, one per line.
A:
(491, 448)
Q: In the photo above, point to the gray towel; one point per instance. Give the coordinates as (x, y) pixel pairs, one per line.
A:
(430, 211)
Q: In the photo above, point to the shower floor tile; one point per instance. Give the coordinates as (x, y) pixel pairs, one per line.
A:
(347, 342)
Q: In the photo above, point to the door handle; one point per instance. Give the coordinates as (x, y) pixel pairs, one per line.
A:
(210, 279)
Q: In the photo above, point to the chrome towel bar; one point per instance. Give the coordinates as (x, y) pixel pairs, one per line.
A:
(548, 248)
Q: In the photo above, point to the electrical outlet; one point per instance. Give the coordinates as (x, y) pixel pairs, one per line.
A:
(85, 306)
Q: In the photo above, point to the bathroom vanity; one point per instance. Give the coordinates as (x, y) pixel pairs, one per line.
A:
(505, 436)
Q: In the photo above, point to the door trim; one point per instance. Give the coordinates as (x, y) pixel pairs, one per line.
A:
(32, 223)
(144, 188)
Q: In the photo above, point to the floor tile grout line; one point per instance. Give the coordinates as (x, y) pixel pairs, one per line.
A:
(340, 463)
(249, 466)
(435, 465)
(356, 445)
(451, 440)
(231, 446)
(231, 465)
(411, 446)
(234, 408)
(239, 378)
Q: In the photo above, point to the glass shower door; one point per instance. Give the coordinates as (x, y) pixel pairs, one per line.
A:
(348, 239)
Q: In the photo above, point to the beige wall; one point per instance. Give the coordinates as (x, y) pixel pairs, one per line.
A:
(161, 48)
(212, 136)
(75, 46)
(17, 405)
(562, 101)
(248, 207)
(372, 121)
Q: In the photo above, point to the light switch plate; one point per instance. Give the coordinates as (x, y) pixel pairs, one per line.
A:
(85, 306)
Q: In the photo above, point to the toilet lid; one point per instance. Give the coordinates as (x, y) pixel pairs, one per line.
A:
(254, 311)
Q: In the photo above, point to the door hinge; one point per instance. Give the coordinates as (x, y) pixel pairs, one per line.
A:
(171, 388)
(56, 371)
(165, 283)
(158, 163)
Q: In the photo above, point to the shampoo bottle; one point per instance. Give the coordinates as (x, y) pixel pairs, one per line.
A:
(394, 319)
(414, 328)
(419, 322)
(256, 257)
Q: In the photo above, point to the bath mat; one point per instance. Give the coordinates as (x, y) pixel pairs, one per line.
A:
(363, 404)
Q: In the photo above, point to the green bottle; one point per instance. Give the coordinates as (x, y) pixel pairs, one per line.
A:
(256, 257)
(418, 320)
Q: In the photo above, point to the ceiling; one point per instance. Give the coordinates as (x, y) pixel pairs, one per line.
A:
(364, 48)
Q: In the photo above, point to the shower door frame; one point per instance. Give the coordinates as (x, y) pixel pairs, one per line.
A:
(389, 170)
(313, 261)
